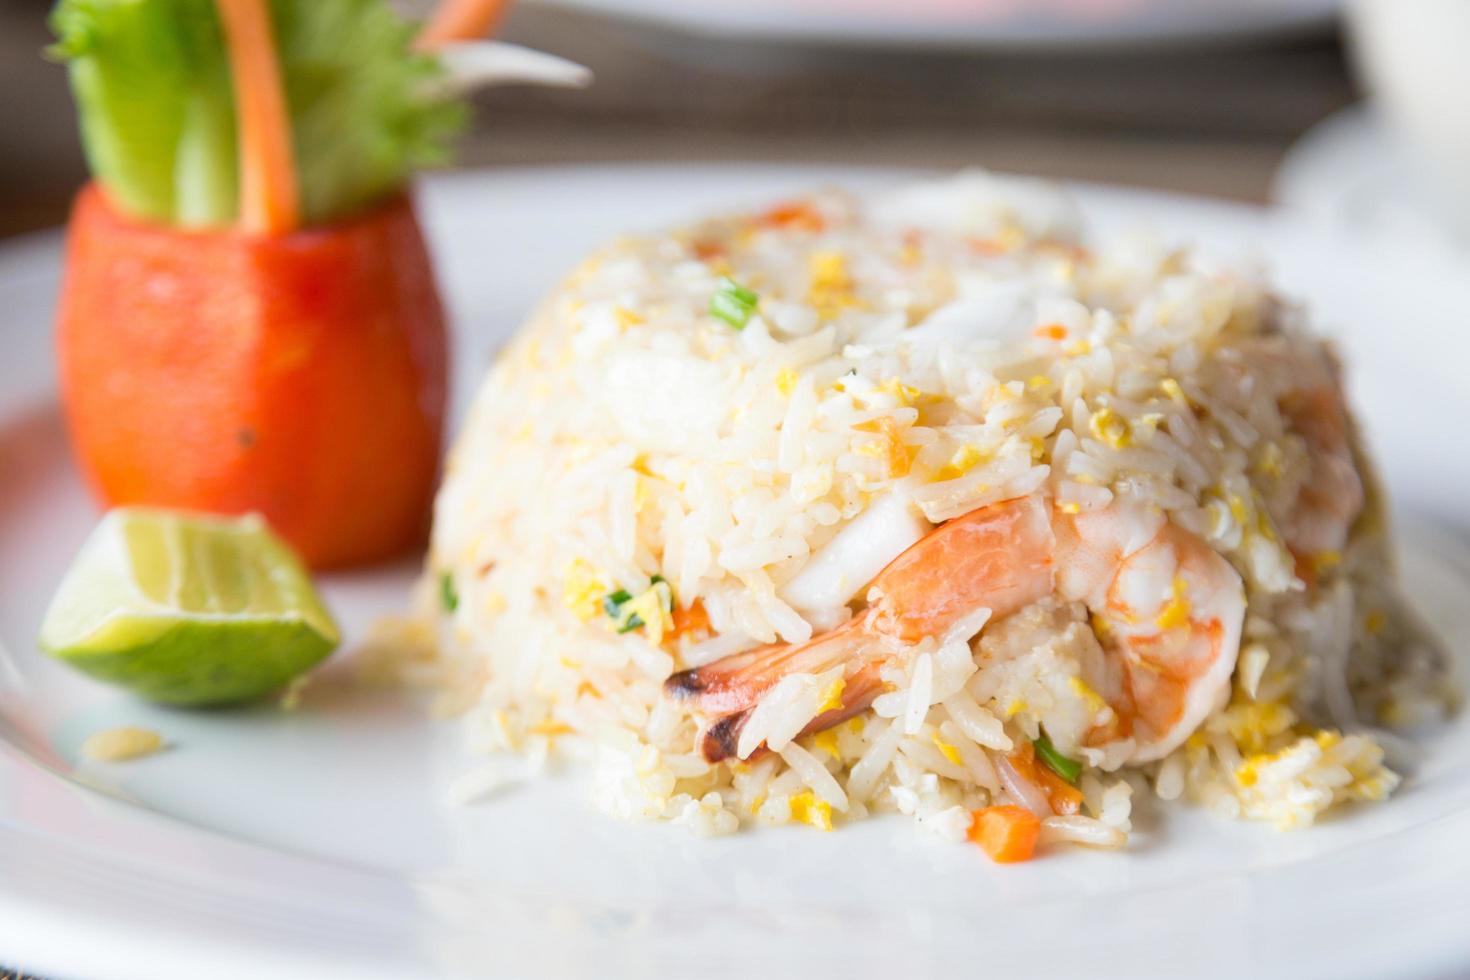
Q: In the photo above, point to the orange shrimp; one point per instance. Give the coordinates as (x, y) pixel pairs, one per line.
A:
(1169, 609)
(1332, 496)
(956, 569)
(1316, 520)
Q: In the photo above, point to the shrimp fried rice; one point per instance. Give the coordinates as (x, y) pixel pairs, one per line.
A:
(922, 502)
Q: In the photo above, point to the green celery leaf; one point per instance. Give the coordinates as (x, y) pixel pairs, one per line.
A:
(152, 86)
(365, 108)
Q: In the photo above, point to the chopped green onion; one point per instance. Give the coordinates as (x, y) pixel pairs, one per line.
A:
(733, 303)
(448, 594)
(612, 603)
(1068, 769)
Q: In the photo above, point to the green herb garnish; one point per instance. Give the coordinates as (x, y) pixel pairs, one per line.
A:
(1068, 769)
(153, 90)
(733, 303)
(448, 594)
(624, 620)
(613, 602)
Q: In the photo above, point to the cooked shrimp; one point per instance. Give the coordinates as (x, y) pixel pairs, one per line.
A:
(1167, 607)
(1167, 610)
(1332, 495)
(997, 557)
(1315, 522)
(720, 739)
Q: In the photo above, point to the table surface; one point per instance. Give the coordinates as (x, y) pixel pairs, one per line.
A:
(1209, 120)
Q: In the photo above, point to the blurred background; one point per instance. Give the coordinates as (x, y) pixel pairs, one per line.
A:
(1204, 96)
(1180, 94)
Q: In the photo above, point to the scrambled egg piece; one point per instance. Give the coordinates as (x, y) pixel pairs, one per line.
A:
(949, 751)
(827, 742)
(832, 698)
(583, 588)
(786, 381)
(808, 809)
(965, 459)
(1109, 428)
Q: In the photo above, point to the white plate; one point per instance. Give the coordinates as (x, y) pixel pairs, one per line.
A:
(1352, 173)
(983, 24)
(315, 844)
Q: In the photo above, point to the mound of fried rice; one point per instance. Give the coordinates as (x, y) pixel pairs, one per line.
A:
(642, 486)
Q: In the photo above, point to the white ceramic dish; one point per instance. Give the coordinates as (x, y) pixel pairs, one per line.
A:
(1411, 59)
(1353, 173)
(988, 24)
(315, 843)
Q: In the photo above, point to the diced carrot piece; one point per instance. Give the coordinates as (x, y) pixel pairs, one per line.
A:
(794, 214)
(692, 618)
(705, 251)
(1007, 833)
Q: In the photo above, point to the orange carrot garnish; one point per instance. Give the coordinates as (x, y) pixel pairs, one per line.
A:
(1007, 833)
(269, 199)
(460, 20)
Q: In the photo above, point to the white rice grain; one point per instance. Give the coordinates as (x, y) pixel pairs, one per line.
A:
(1081, 830)
(920, 697)
(865, 773)
(815, 775)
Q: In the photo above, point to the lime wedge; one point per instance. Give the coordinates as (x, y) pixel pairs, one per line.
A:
(188, 608)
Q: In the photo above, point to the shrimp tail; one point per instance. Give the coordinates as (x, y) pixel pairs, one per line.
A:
(720, 740)
(735, 683)
(722, 685)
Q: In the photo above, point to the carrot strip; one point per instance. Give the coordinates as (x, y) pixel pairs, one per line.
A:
(1065, 799)
(1007, 833)
(460, 20)
(269, 198)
